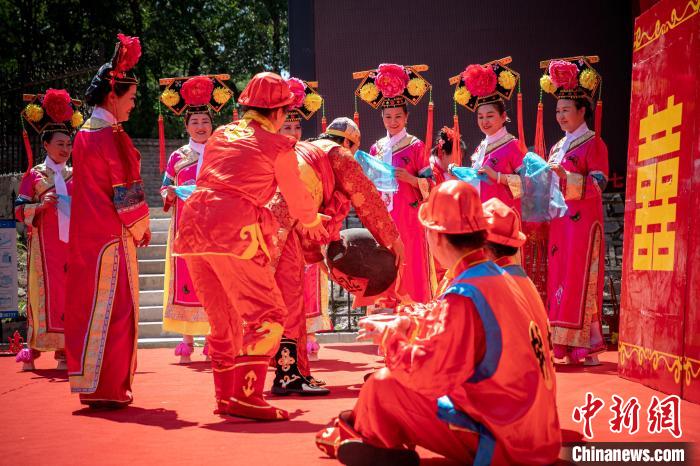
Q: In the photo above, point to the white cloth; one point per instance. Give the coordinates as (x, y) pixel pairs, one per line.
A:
(104, 114)
(568, 139)
(387, 157)
(558, 156)
(63, 207)
(478, 159)
(199, 149)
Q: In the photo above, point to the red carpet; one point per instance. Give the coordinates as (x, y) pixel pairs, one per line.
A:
(171, 420)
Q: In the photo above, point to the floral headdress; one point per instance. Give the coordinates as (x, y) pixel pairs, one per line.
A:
(198, 94)
(570, 78)
(53, 111)
(308, 101)
(392, 85)
(446, 134)
(484, 84)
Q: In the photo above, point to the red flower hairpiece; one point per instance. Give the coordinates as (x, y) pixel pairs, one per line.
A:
(391, 79)
(563, 74)
(56, 103)
(479, 80)
(197, 91)
(298, 89)
(129, 53)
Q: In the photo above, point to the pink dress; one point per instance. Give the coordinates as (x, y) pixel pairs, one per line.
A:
(46, 261)
(182, 311)
(418, 274)
(576, 244)
(506, 157)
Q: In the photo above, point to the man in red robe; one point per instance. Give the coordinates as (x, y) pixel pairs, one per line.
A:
(336, 181)
(462, 378)
(226, 237)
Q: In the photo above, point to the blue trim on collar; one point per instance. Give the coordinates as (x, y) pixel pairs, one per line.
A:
(515, 270)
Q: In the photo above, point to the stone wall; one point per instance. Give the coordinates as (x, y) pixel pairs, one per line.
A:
(150, 169)
(9, 185)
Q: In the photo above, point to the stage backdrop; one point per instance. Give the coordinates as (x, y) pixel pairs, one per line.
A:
(330, 39)
(660, 315)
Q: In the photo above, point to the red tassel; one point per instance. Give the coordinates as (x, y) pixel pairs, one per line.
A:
(521, 124)
(456, 146)
(28, 149)
(540, 148)
(598, 119)
(161, 142)
(324, 124)
(356, 119)
(235, 114)
(429, 131)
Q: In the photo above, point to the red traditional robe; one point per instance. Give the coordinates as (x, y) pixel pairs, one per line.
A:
(471, 379)
(576, 262)
(336, 181)
(46, 260)
(109, 214)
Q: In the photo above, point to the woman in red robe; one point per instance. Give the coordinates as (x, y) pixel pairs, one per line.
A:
(112, 219)
(43, 205)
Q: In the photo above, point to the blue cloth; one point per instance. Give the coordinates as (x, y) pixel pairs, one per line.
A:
(64, 204)
(185, 191)
(380, 173)
(542, 199)
(469, 175)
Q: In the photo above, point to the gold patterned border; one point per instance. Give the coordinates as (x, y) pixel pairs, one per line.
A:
(643, 38)
(675, 364)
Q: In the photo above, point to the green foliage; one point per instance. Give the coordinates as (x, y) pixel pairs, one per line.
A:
(178, 37)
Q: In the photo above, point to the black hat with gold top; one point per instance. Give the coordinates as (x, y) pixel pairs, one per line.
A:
(307, 100)
(392, 85)
(52, 112)
(485, 84)
(195, 94)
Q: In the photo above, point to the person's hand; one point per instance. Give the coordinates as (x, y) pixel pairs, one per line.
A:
(403, 175)
(316, 233)
(48, 201)
(145, 239)
(558, 169)
(170, 194)
(371, 330)
(490, 172)
(398, 250)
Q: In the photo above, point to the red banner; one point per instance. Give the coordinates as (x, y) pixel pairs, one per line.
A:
(660, 303)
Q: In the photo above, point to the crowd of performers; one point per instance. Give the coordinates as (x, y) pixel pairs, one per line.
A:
(469, 340)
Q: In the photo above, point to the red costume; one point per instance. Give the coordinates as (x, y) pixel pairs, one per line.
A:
(47, 225)
(109, 217)
(336, 182)
(225, 235)
(463, 376)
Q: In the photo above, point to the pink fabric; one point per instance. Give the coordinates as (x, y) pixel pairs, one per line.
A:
(416, 272)
(185, 293)
(570, 239)
(183, 349)
(312, 298)
(54, 251)
(506, 160)
(24, 355)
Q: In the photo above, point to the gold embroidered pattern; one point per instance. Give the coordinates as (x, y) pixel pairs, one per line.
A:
(675, 364)
(644, 38)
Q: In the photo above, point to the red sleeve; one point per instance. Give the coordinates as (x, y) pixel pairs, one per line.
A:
(128, 198)
(449, 342)
(368, 204)
(299, 201)
(516, 157)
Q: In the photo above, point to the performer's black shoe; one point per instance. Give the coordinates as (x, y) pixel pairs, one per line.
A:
(288, 379)
(355, 452)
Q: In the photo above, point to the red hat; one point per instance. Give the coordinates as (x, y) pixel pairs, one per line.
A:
(454, 208)
(504, 224)
(267, 90)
